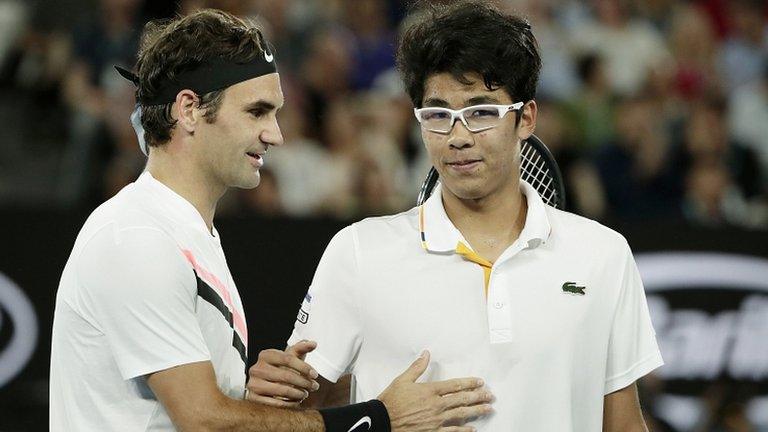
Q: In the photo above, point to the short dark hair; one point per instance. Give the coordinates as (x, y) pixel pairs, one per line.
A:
(170, 47)
(466, 37)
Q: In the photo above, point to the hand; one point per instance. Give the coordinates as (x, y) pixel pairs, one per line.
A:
(282, 378)
(436, 406)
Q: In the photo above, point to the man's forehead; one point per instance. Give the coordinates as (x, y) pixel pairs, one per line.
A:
(264, 88)
(445, 89)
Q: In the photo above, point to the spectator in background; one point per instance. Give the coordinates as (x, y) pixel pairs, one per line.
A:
(14, 17)
(748, 119)
(711, 199)
(693, 44)
(326, 73)
(744, 53)
(639, 181)
(374, 47)
(341, 130)
(706, 136)
(584, 192)
(558, 76)
(591, 112)
(632, 48)
(382, 155)
(301, 167)
(722, 175)
(111, 38)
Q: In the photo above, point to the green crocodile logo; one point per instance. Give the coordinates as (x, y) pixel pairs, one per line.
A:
(571, 287)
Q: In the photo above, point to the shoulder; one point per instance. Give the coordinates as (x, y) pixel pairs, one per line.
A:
(572, 230)
(130, 223)
(376, 235)
(131, 209)
(374, 230)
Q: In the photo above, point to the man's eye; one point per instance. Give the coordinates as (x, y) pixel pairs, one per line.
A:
(483, 113)
(258, 113)
(435, 115)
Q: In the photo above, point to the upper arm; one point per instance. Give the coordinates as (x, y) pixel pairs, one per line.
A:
(632, 348)
(621, 411)
(330, 313)
(138, 291)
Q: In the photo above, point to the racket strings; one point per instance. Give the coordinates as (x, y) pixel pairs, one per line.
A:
(534, 170)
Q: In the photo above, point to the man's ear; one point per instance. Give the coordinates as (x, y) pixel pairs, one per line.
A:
(185, 108)
(527, 120)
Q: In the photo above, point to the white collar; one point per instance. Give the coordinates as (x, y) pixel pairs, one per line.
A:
(438, 234)
(180, 205)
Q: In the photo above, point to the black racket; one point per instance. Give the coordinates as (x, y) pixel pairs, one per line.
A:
(537, 167)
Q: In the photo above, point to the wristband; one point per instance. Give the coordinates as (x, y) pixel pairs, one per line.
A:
(368, 416)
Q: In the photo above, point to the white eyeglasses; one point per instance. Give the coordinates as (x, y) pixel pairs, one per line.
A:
(476, 118)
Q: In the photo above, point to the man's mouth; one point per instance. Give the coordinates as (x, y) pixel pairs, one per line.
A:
(464, 164)
(256, 160)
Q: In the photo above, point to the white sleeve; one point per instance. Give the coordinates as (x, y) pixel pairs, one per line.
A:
(142, 295)
(329, 313)
(632, 348)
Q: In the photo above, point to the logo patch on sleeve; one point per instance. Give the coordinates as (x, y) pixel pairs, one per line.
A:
(303, 315)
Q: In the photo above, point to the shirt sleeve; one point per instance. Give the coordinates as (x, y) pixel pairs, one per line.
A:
(329, 313)
(632, 348)
(136, 285)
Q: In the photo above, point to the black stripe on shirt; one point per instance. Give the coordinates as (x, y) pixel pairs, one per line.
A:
(209, 294)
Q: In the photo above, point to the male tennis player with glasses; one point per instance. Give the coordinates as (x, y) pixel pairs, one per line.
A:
(546, 306)
(149, 331)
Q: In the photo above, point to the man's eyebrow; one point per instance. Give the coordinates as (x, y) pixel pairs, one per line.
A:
(435, 102)
(478, 100)
(261, 105)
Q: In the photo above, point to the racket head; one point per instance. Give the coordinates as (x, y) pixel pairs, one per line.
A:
(537, 167)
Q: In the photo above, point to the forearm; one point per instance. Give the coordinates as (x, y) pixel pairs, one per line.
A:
(244, 416)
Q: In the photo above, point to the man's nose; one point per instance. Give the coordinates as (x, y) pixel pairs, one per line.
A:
(459, 136)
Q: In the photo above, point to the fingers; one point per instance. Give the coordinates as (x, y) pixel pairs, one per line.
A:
(278, 403)
(271, 389)
(456, 385)
(267, 373)
(467, 398)
(416, 368)
(277, 358)
(461, 414)
(301, 349)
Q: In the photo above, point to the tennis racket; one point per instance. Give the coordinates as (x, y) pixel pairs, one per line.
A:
(537, 167)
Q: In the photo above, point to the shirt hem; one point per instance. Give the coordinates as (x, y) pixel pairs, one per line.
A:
(146, 370)
(638, 370)
(325, 368)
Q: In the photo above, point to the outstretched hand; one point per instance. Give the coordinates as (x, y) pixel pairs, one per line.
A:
(435, 406)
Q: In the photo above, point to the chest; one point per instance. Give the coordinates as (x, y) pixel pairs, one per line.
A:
(535, 305)
(218, 301)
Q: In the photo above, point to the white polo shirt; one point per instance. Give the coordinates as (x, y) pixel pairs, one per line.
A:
(146, 288)
(564, 321)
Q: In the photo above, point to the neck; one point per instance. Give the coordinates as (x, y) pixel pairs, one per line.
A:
(490, 224)
(181, 175)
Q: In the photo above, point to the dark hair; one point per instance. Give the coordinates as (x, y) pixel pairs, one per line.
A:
(465, 37)
(169, 47)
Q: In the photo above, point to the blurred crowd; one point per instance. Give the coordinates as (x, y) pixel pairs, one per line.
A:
(654, 109)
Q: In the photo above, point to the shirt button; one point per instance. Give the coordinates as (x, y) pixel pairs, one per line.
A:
(498, 305)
